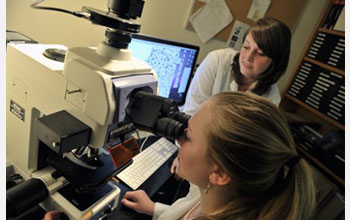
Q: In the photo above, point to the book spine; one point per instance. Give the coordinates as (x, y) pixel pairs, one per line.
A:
(331, 14)
(336, 15)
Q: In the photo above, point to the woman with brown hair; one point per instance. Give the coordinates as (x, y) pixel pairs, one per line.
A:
(260, 63)
(239, 152)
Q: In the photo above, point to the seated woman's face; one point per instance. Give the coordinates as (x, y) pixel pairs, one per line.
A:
(252, 60)
(193, 164)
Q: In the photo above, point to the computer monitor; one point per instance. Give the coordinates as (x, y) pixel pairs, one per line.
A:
(173, 62)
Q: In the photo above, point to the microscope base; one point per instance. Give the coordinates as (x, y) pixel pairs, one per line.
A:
(85, 206)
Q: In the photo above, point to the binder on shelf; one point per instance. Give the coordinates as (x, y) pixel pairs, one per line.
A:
(330, 14)
(337, 14)
(333, 116)
(329, 82)
(306, 68)
(336, 56)
(336, 104)
(321, 34)
(317, 90)
(292, 93)
(336, 109)
(307, 64)
(299, 76)
(297, 86)
(312, 105)
(339, 100)
(333, 14)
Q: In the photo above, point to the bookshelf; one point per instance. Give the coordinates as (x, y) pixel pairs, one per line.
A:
(316, 90)
(317, 84)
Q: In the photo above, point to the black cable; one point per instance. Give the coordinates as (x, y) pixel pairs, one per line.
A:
(75, 13)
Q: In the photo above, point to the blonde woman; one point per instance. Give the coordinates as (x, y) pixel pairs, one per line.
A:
(239, 152)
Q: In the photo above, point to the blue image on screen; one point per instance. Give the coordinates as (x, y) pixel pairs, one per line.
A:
(173, 62)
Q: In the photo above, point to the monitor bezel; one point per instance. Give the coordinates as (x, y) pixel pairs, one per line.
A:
(174, 43)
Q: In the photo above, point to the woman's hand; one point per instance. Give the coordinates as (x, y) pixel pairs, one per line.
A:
(174, 165)
(173, 168)
(55, 215)
(139, 201)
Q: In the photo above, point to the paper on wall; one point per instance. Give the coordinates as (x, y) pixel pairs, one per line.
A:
(258, 9)
(211, 19)
(237, 33)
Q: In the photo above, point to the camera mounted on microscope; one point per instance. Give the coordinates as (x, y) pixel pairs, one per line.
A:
(119, 20)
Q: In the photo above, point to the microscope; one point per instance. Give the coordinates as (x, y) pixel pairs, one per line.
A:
(65, 106)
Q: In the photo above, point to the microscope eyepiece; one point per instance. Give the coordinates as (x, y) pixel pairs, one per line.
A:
(182, 117)
(156, 114)
(168, 127)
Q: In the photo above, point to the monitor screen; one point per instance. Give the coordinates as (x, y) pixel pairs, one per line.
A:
(173, 62)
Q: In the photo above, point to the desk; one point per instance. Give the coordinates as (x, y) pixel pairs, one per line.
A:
(151, 186)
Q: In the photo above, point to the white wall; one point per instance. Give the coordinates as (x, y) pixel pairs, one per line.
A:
(160, 18)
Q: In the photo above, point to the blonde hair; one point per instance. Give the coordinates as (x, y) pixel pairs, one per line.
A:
(249, 139)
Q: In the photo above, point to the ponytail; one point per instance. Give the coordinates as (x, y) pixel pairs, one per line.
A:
(297, 199)
(295, 202)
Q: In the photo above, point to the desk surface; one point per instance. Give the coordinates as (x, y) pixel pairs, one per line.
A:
(151, 186)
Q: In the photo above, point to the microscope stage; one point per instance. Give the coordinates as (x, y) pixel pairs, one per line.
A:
(84, 177)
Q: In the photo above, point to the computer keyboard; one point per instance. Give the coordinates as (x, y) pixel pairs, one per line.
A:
(147, 162)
